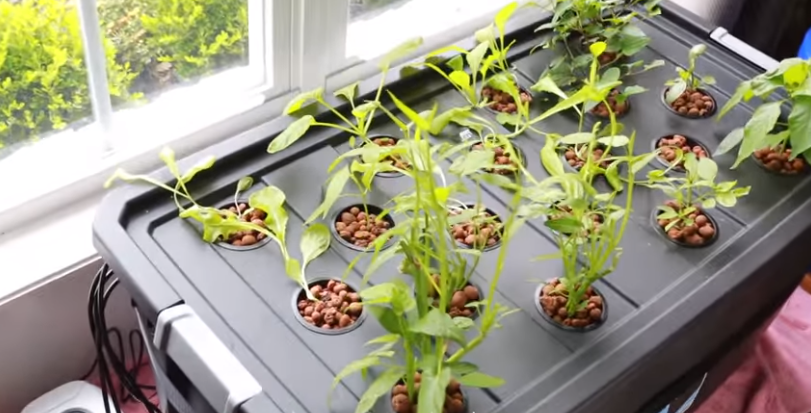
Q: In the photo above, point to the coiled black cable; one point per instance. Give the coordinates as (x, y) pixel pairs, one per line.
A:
(108, 362)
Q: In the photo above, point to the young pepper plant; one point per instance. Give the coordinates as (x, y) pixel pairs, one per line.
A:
(419, 333)
(792, 76)
(219, 224)
(688, 80)
(697, 188)
(362, 113)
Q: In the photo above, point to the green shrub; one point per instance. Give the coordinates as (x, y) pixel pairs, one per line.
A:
(43, 80)
(197, 37)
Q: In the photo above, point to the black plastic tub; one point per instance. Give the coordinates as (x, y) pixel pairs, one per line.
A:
(674, 310)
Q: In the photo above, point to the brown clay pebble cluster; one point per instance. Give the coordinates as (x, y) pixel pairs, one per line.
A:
(553, 301)
(501, 157)
(338, 306)
(607, 57)
(480, 232)
(669, 144)
(502, 101)
(619, 109)
(454, 400)
(394, 160)
(360, 229)
(694, 104)
(460, 299)
(577, 162)
(777, 160)
(697, 234)
(248, 237)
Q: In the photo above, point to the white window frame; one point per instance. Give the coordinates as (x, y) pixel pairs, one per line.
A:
(105, 144)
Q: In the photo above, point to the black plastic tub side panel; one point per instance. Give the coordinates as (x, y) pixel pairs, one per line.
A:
(680, 328)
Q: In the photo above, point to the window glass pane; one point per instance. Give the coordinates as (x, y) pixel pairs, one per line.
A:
(43, 80)
(165, 45)
(375, 26)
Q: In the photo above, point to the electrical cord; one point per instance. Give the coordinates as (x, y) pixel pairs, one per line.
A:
(108, 362)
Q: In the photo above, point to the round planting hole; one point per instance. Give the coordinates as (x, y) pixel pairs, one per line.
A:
(358, 226)
(337, 309)
(777, 160)
(574, 156)
(501, 157)
(482, 231)
(619, 109)
(388, 141)
(550, 301)
(692, 104)
(502, 102)
(470, 293)
(703, 232)
(249, 239)
(455, 399)
(669, 146)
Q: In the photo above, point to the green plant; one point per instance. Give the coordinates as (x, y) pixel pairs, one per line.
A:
(760, 131)
(688, 80)
(219, 224)
(585, 22)
(363, 113)
(197, 36)
(418, 332)
(43, 79)
(696, 188)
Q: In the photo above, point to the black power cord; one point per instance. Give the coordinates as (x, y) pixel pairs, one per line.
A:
(108, 362)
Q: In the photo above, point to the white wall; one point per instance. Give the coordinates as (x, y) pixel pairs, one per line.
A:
(45, 337)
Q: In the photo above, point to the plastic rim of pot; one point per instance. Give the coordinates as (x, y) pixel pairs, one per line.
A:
(226, 245)
(297, 297)
(373, 209)
(392, 174)
(690, 141)
(401, 381)
(773, 172)
(706, 116)
(518, 151)
(661, 231)
(590, 327)
(486, 248)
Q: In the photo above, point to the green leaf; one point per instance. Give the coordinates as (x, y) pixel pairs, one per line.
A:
(460, 78)
(463, 322)
(697, 51)
(633, 90)
(292, 267)
(290, 135)
(675, 91)
(564, 225)
(271, 200)
(486, 34)
(460, 368)
(474, 58)
(443, 119)
(761, 123)
(421, 123)
(480, 380)
(550, 159)
(167, 155)
(314, 242)
(432, 390)
(597, 48)
(244, 183)
(707, 169)
(612, 174)
(508, 118)
(348, 92)
(384, 339)
(795, 75)
(354, 367)
(387, 318)
(546, 84)
(202, 165)
(438, 324)
(732, 140)
(577, 138)
(799, 122)
(472, 162)
(504, 15)
(335, 186)
(401, 51)
(457, 62)
(640, 162)
(740, 92)
(726, 200)
(362, 110)
(381, 386)
(614, 141)
(611, 75)
(303, 98)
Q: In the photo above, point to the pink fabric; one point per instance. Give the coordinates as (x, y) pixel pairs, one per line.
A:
(145, 377)
(777, 377)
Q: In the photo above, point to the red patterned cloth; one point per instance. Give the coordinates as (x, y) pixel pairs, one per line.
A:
(776, 378)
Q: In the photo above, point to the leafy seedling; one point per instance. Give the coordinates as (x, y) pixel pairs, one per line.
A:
(688, 80)
(792, 76)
